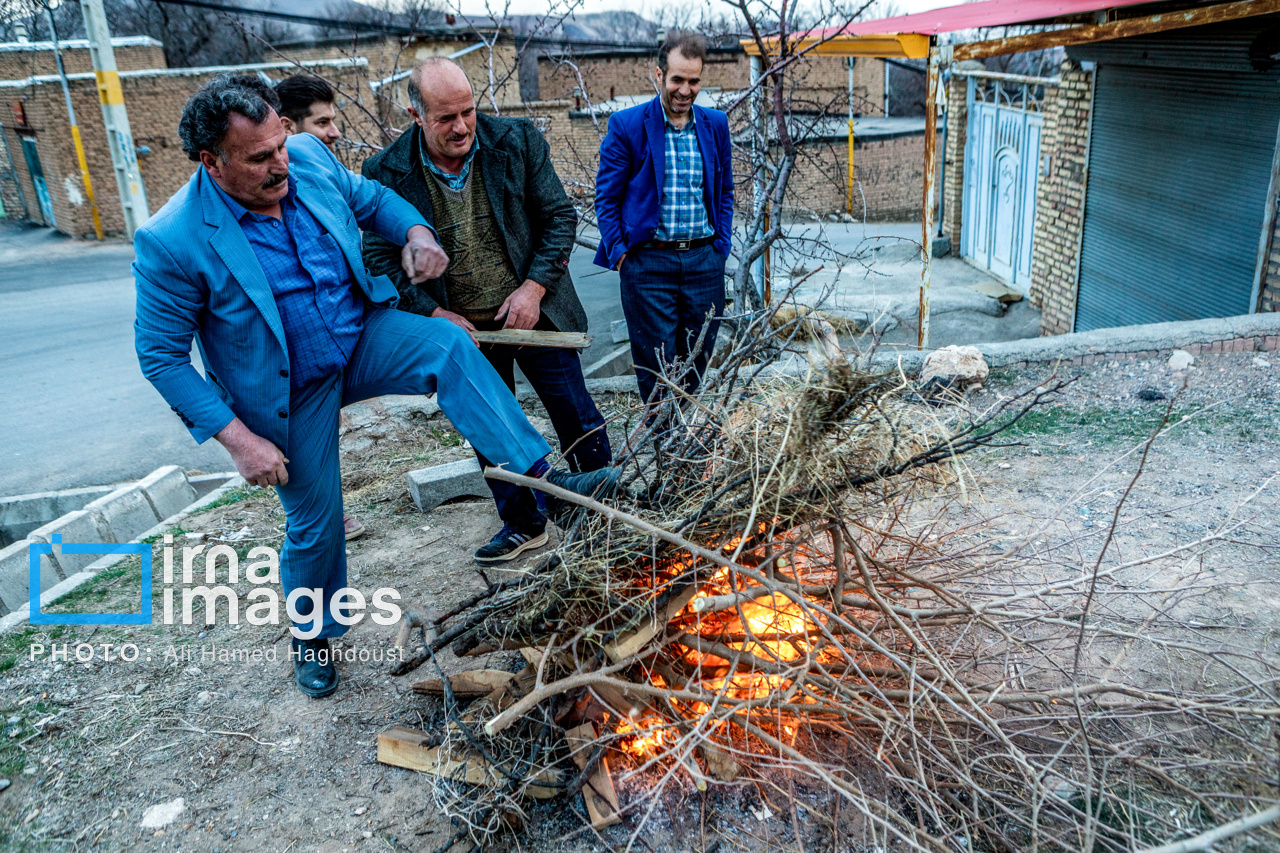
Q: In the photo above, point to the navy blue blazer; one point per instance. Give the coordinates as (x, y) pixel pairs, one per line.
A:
(632, 169)
(197, 277)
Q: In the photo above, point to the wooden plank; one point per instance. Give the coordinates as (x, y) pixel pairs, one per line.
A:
(404, 747)
(598, 793)
(628, 644)
(467, 685)
(535, 338)
(1124, 28)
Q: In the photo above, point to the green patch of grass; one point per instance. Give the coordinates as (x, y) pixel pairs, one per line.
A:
(446, 437)
(231, 496)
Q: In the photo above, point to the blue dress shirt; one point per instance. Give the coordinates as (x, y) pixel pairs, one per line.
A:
(684, 208)
(454, 182)
(312, 285)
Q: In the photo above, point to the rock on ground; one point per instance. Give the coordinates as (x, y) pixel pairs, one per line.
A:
(955, 365)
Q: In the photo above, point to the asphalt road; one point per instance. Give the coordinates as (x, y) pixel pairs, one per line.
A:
(77, 411)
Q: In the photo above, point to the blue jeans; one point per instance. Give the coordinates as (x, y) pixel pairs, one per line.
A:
(556, 377)
(398, 353)
(666, 297)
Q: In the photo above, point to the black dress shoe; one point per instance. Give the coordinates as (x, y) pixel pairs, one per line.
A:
(313, 667)
(600, 483)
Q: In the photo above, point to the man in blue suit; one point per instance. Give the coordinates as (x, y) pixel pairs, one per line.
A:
(664, 204)
(258, 258)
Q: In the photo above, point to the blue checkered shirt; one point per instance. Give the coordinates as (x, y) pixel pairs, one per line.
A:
(312, 284)
(684, 208)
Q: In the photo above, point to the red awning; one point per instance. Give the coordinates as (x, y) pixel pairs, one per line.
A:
(986, 13)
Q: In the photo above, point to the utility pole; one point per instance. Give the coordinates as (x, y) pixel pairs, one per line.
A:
(124, 159)
(75, 128)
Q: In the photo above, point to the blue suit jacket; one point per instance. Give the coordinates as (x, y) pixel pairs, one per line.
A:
(632, 169)
(197, 276)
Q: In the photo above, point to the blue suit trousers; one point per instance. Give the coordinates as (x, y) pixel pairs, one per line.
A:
(398, 353)
(667, 297)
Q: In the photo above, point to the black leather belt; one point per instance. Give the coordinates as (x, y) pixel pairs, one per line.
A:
(679, 245)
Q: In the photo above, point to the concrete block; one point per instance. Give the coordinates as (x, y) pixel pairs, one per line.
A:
(126, 512)
(15, 576)
(432, 486)
(619, 332)
(616, 363)
(78, 526)
(168, 490)
(21, 514)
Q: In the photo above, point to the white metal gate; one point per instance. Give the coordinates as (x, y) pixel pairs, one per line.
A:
(1001, 170)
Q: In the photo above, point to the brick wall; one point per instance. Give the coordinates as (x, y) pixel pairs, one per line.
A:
(154, 102)
(888, 179)
(889, 172)
(389, 56)
(17, 64)
(953, 159)
(821, 82)
(9, 197)
(1060, 200)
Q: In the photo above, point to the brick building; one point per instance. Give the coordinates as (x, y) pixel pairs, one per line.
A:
(1139, 186)
(888, 157)
(389, 59)
(43, 176)
(32, 58)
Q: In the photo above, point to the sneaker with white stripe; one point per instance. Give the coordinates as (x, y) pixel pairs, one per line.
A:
(508, 544)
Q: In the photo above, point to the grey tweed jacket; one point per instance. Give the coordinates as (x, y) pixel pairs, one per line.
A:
(535, 217)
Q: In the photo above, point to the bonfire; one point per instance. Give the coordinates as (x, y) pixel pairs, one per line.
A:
(792, 577)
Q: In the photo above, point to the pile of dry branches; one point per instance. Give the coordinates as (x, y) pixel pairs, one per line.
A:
(794, 584)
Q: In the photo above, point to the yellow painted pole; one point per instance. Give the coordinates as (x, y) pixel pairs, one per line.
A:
(849, 190)
(75, 129)
(849, 203)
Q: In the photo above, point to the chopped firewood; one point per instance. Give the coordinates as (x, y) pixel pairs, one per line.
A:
(404, 747)
(598, 792)
(719, 762)
(467, 685)
(639, 637)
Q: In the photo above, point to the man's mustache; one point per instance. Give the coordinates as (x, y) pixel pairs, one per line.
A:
(275, 180)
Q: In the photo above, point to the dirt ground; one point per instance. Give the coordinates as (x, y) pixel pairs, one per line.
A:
(87, 747)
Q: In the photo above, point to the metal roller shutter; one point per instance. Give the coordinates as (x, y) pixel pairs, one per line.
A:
(1179, 168)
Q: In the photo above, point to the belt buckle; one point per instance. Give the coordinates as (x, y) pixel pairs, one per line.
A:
(682, 245)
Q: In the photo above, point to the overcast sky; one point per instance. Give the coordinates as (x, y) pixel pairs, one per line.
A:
(641, 7)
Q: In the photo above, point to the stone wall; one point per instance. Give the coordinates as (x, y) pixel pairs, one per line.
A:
(1060, 200)
(154, 100)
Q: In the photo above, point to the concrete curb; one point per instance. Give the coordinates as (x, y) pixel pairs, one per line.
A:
(53, 593)
(1249, 333)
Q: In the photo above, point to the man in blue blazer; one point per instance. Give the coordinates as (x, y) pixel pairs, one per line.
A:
(664, 204)
(258, 258)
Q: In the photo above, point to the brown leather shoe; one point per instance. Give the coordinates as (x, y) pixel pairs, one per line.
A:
(353, 527)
